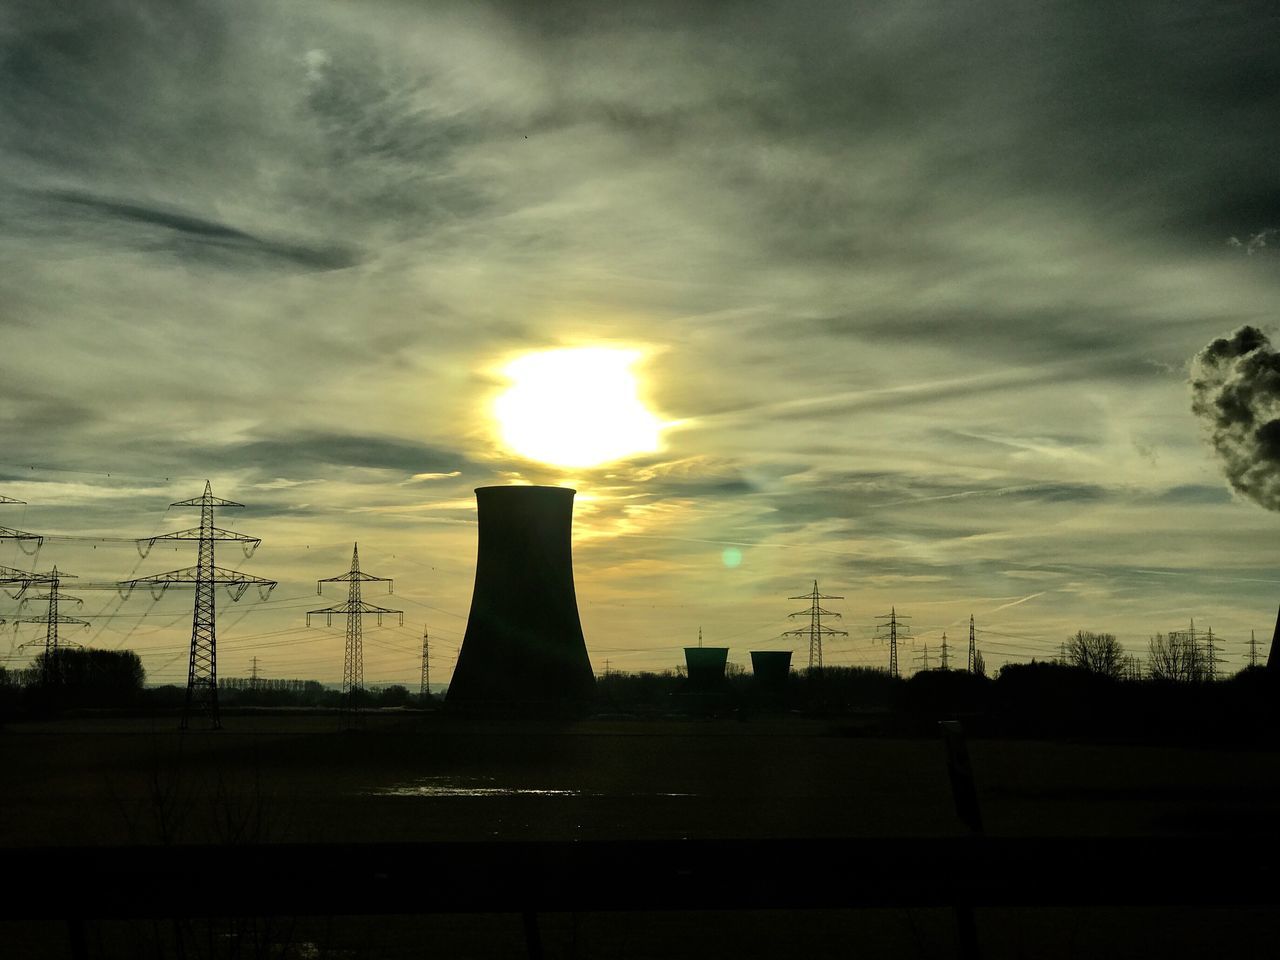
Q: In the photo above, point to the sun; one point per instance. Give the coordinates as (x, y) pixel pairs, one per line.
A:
(575, 407)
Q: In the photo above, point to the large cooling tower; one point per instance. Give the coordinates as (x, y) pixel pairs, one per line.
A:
(524, 641)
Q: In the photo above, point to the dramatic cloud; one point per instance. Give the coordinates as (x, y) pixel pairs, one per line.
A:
(1235, 390)
(916, 282)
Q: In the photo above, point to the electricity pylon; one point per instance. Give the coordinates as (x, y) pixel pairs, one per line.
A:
(973, 648)
(51, 618)
(1211, 654)
(1253, 649)
(424, 688)
(21, 536)
(894, 622)
(202, 664)
(815, 631)
(354, 610)
(946, 657)
(22, 579)
(924, 657)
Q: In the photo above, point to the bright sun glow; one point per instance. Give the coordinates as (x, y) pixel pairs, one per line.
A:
(576, 407)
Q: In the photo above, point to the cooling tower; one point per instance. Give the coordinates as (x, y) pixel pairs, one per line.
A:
(524, 640)
(771, 669)
(1273, 660)
(705, 666)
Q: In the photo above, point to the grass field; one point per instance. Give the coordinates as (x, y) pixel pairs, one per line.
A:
(285, 777)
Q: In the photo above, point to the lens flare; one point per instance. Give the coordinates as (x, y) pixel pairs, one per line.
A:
(575, 407)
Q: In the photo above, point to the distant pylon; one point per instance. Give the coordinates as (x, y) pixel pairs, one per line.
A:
(815, 631)
(253, 677)
(946, 662)
(924, 658)
(894, 622)
(354, 610)
(51, 618)
(424, 686)
(973, 648)
(1211, 654)
(202, 662)
(1253, 649)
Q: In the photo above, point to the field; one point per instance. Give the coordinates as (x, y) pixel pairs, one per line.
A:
(281, 777)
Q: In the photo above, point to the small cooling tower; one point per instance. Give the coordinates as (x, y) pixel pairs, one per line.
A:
(771, 669)
(524, 640)
(705, 667)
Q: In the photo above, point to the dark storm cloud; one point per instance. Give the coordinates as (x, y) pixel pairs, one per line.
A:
(1235, 390)
(195, 237)
(307, 454)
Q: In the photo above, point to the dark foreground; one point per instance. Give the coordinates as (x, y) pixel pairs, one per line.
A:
(295, 781)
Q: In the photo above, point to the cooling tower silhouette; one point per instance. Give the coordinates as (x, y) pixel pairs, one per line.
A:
(705, 667)
(524, 640)
(772, 668)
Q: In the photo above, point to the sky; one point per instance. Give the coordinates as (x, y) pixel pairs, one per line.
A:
(915, 289)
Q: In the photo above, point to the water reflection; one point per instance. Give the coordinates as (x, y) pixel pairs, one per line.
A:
(487, 787)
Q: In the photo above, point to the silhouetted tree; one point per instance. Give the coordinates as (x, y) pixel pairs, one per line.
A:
(1099, 653)
(395, 695)
(979, 664)
(1176, 657)
(92, 677)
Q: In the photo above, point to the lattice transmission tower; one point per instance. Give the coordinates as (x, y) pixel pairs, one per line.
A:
(973, 647)
(946, 655)
(11, 577)
(1211, 657)
(424, 687)
(202, 661)
(354, 610)
(897, 631)
(1253, 649)
(21, 537)
(816, 632)
(52, 618)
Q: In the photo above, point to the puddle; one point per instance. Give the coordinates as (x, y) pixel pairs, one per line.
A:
(488, 787)
(469, 787)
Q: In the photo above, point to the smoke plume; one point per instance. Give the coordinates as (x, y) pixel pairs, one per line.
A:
(1235, 390)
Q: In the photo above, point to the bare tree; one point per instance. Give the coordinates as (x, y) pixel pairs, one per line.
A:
(1099, 653)
(1176, 657)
